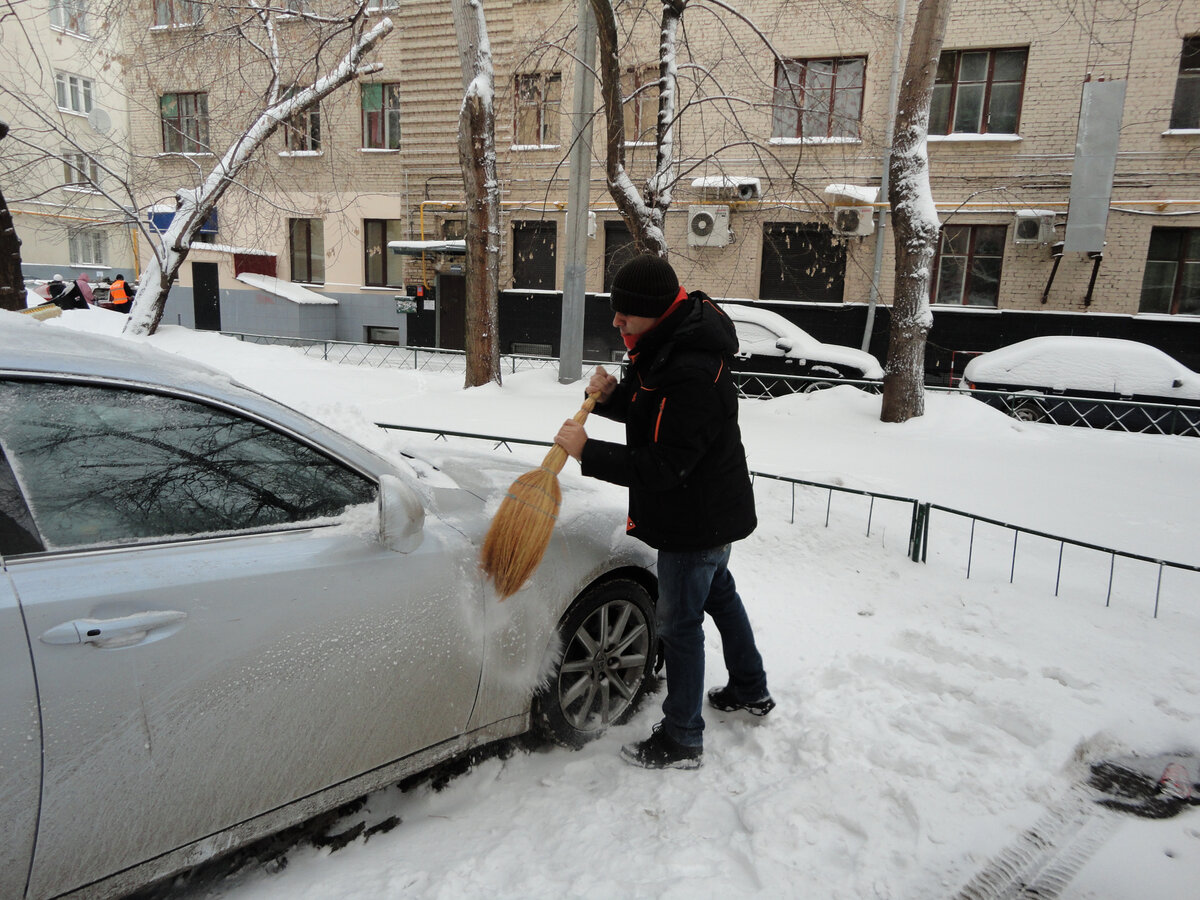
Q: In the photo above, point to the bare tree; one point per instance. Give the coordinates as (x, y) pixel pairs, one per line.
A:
(285, 75)
(477, 155)
(916, 227)
(644, 215)
(283, 101)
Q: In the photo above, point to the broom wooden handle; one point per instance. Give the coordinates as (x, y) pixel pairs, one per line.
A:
(557, 457)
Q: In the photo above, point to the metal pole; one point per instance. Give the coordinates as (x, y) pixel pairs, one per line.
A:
(570, 353)
(884, 178)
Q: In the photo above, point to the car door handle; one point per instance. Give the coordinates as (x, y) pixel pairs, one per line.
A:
(118, 632)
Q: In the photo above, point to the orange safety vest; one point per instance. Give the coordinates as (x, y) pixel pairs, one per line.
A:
(117, 294)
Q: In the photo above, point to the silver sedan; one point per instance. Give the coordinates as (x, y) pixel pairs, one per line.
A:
(218, 617)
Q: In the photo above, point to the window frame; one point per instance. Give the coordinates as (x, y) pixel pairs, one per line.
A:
(388, 90)
(1189, 243)
(69, 17)
(532, 96)
(302, 130)
(314, 257)
(1185, 108)
(787, 90)
(74, 93)
(970, 266)
(387, 260)
(640, 86)
(93, 240)
(82, 164)
(954, 86)
(170, 13)
(178, 129)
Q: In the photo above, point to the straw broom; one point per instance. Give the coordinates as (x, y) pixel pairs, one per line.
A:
(521, 528)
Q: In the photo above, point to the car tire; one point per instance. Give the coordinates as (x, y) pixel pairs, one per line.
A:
(609, 642)
(814, 386)
(1029, 411)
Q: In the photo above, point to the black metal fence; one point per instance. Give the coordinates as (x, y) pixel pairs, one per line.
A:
(1033, 553)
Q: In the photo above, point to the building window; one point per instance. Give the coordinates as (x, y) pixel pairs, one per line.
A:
(302, 131)
(73, 93)
(802, 261)
(382, 334)
(538, 98)
(818, 99)
(79, 169)
(640, 87)
(382, 268)
(177, 12)
(1172, 280)
(306, 244)
(535, 255)
(69, 15)
(85, 247)
(619, 248)
(377, 5)
(184, 122)
(967, 268)
(978, 91)
(1186, 111)
(381, 116)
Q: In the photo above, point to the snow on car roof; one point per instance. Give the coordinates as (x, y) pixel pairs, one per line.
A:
(1071, 362)
(804, 345)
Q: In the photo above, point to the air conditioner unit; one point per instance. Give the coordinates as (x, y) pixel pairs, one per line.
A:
(708, 226)
(855, 221)
(1033, 226)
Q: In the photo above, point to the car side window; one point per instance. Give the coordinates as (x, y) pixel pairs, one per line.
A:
(102, 465)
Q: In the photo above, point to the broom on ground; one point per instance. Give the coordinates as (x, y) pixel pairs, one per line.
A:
(521, 528)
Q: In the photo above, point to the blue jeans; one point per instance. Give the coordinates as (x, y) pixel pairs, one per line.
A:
(690, 584)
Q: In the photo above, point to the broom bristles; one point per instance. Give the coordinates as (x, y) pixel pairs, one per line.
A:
(521, 529)
(520, 532)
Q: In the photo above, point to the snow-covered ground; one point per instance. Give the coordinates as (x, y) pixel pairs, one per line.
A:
(925, 720)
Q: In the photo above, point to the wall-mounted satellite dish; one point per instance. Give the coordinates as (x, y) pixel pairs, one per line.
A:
(100, 121)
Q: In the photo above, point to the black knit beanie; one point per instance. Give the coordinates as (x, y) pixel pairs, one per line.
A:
(645, 286)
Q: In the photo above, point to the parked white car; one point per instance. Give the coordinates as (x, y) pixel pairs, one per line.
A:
(1095, 381)
(219, 617)
(770, 344)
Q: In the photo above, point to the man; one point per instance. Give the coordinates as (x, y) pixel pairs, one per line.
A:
(690, 495)
(118, 295)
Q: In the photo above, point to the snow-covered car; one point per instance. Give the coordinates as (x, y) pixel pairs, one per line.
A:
(1093, 381)
(771, 345)
(219, 617)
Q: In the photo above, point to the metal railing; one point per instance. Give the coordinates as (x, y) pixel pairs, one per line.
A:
(919, 517)
(425, 359)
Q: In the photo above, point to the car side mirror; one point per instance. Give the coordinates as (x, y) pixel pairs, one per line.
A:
(783, 344)
(401, 515)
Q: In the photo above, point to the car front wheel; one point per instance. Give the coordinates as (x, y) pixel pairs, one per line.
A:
(609, 641)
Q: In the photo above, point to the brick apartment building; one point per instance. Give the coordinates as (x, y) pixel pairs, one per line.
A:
(779, 153)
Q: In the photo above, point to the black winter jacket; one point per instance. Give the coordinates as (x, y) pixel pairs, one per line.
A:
(683, 460)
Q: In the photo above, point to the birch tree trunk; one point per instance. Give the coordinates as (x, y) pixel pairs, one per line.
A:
(12, 286)
(644, 215)
(477, 156)
(194, 206)
(916, 228)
